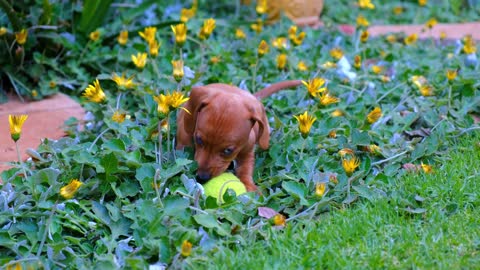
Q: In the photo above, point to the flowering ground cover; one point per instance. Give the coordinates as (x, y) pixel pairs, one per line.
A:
(116, 193)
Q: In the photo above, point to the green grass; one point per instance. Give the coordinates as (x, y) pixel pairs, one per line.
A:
(382, 234)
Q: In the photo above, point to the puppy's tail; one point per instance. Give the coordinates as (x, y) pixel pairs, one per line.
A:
(274, 88)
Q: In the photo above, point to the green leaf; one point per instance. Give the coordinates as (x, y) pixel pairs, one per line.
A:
(175, 205)
(209, 221)
(114, 145)
(110, 164)
(360, 138)
(297, 190)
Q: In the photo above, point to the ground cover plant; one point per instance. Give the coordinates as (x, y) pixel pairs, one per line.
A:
(116, 194)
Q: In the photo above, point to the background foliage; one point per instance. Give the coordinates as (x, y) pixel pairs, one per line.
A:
(137, 209)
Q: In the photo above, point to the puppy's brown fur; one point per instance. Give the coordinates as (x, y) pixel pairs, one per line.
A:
(224, 124)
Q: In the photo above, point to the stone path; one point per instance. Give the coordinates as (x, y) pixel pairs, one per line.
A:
(46, 117)
(45, 120)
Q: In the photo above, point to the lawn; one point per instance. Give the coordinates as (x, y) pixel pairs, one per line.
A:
(426, 222)
(383, 175)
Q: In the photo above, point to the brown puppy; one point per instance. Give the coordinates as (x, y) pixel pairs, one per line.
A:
(224, 124)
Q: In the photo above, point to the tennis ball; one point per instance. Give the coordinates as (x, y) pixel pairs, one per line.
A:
(217, 186)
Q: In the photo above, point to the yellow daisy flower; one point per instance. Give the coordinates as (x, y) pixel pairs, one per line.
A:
(374, 115)
(186, 248)
(94, 92)
(305, 122)
(122, 81)
(95, 35)
(21, 37)
(314, 86)
(177, 70)
(320, 189)
(263, 48)
(207, 28)
(148, 34)
(180, 33)
(282, 61)
(349, 165)
(69, 190)
(122, 37)
(140, 60)
(16, 123)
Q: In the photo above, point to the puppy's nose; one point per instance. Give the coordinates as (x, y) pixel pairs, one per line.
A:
(203, 177)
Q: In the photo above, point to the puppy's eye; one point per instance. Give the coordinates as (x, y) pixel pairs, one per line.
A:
(198, 140)
(228, 151)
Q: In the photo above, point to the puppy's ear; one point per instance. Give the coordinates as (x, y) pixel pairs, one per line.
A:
(259, 116)
(198, 99)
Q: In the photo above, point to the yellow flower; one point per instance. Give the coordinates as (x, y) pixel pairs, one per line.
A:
(337, 113)
(262, 6)
(362, 21)
(357, 61)
(52, 84)
(320, 189)
(427, 168)
(21, 37)
(140, 60)
(426, 90)
(305, 123)
(364, 36)
(180, 33)
(332, 134)
(163, 103)
(207, 28)
(374, 115)
(377, 69)
(422, 2)
(302, 66)
(16, 123)
(336, 53)
(177, 70)
(431, 23)
(398, 10)
(215, 59)
(314, 86)
(3, 31)
(148, 34)
(391, 38)
(186, 249)
(411, 39)
(94, 92)
(257, 27)
(122, 81)
(349, 165)
(123, 37)
(95, 35)
(279, 220)
(263, 48)
(451, 74)
(281, 61)
(298, 40)
(169, 102)
(327, 99)
(419, 81)
(154, 46)
(329, 64)
(118, 117)
(280, 43)
(443, 35)
(240, 34)
(69, 190)
(177, 99)
(374, 149)
(292, 32)
(187, 13)
(366, 4)
(34, 93)
(469, 45)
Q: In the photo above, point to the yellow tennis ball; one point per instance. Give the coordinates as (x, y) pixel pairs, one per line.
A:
(217, 186)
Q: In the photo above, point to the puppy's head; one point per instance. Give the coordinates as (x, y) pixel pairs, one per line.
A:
(223, 126)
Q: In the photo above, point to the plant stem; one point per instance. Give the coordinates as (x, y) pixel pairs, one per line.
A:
(159, 150)
(168, 133)
(254, 78)
(39, 252)
(12, 16)
(21, 162)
